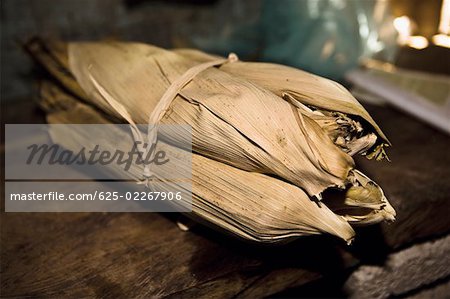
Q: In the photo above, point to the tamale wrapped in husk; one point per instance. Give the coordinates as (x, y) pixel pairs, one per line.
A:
(278, 138)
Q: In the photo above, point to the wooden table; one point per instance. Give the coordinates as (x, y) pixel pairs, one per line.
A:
(145, 254)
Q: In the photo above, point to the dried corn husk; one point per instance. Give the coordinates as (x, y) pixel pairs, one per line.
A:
(244, 125)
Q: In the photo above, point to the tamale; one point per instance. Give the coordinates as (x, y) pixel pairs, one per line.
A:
(300, 134)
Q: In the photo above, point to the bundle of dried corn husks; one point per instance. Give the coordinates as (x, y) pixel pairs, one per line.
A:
(272, 145)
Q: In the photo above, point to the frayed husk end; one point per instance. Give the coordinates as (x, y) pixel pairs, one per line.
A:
(378, 152)
(361, 203)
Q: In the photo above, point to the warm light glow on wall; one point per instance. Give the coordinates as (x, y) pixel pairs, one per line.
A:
(417, 42)
(441, 40)
(403, 26)
(444, 22)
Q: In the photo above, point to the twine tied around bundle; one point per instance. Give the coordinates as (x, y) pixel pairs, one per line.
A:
(159, 111)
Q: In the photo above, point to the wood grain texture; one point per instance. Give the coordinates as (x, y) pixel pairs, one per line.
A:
(127, 255)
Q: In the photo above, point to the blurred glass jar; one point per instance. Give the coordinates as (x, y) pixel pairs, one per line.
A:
(326, 37)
